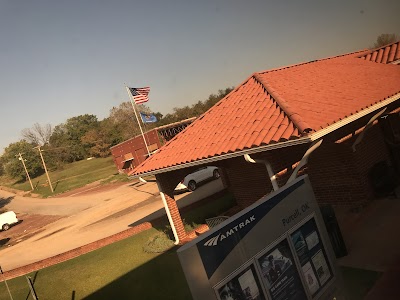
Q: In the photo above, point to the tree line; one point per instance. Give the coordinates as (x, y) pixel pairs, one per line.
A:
(86, 136)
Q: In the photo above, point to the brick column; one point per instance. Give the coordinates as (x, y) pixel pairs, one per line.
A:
(166, 186)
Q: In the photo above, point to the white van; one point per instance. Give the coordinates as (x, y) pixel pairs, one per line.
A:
(7, 219)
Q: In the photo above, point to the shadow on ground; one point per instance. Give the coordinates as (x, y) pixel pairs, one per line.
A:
(195, 213)
(4, 242)
(160, 278)
(5, 201)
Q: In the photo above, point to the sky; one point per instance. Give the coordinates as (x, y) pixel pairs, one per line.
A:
(60, 59)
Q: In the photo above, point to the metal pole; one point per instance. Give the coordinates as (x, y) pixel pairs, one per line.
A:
(45, 169)
(137, 118)
(26, 171)
(5, 281)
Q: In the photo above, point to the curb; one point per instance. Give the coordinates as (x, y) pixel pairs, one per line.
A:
(75, 252)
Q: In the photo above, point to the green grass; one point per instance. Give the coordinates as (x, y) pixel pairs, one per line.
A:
(73, 176)
(119, 271)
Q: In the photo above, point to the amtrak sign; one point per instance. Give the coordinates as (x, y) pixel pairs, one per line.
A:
(214, 241)
(277, 248)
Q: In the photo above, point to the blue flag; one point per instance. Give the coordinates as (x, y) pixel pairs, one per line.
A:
(148, 118)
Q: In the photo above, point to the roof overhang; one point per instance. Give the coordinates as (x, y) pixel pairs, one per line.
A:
(269, 147)
(299, 141)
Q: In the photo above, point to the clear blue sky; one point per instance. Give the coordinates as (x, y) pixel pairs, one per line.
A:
(60, 59)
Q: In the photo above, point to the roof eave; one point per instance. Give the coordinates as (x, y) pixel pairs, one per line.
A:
(269, 147)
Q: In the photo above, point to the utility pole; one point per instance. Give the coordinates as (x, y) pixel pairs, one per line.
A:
(45, 169)
(26, 171)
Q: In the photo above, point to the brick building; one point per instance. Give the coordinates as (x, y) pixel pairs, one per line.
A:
(350, 102)
(132, 152)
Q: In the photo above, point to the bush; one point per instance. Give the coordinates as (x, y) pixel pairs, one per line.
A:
(158, 243)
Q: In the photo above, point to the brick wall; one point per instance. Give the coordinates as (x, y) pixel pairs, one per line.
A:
(370, 151)
(338, 175)
(334, 176)
(249, 182)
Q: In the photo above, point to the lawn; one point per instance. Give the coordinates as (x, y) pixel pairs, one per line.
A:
(119, 271)
(72, 176)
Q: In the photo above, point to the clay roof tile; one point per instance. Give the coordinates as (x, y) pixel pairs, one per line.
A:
(284, 104)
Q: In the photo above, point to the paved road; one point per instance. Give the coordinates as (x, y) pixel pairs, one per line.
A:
(88, 218)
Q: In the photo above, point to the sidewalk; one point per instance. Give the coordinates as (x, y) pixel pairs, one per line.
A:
(372, 240)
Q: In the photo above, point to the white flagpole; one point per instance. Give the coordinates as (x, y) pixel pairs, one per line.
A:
(137, 118)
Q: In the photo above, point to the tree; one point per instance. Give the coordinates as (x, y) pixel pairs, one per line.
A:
(1, 166)
(59, 145)
(385, 39)
(14, 168)
(66, 138)
(123, 118)
(101, 138)
(38, 134)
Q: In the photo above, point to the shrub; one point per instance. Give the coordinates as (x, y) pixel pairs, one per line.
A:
(158, 243)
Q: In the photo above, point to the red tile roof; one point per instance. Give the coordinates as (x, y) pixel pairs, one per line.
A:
(280, 105)
(385, 55)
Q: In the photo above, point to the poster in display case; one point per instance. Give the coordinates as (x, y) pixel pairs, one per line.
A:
(243, 286)
(280, 274)
(312, 256)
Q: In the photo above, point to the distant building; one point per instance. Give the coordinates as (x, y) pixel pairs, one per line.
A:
(131, 153)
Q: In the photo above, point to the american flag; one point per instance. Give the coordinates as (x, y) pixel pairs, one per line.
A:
(140, 95)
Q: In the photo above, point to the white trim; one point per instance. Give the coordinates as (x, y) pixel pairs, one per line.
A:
(299, 141)
(171, 222)
(369, 124)
(304, 160)
(268, 166)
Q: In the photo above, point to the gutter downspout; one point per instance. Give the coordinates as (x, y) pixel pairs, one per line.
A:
(304, 159)
(369, 124)
(171, 222)
(269, 169)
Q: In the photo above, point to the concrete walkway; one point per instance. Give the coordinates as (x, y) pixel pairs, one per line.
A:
(373, 243)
